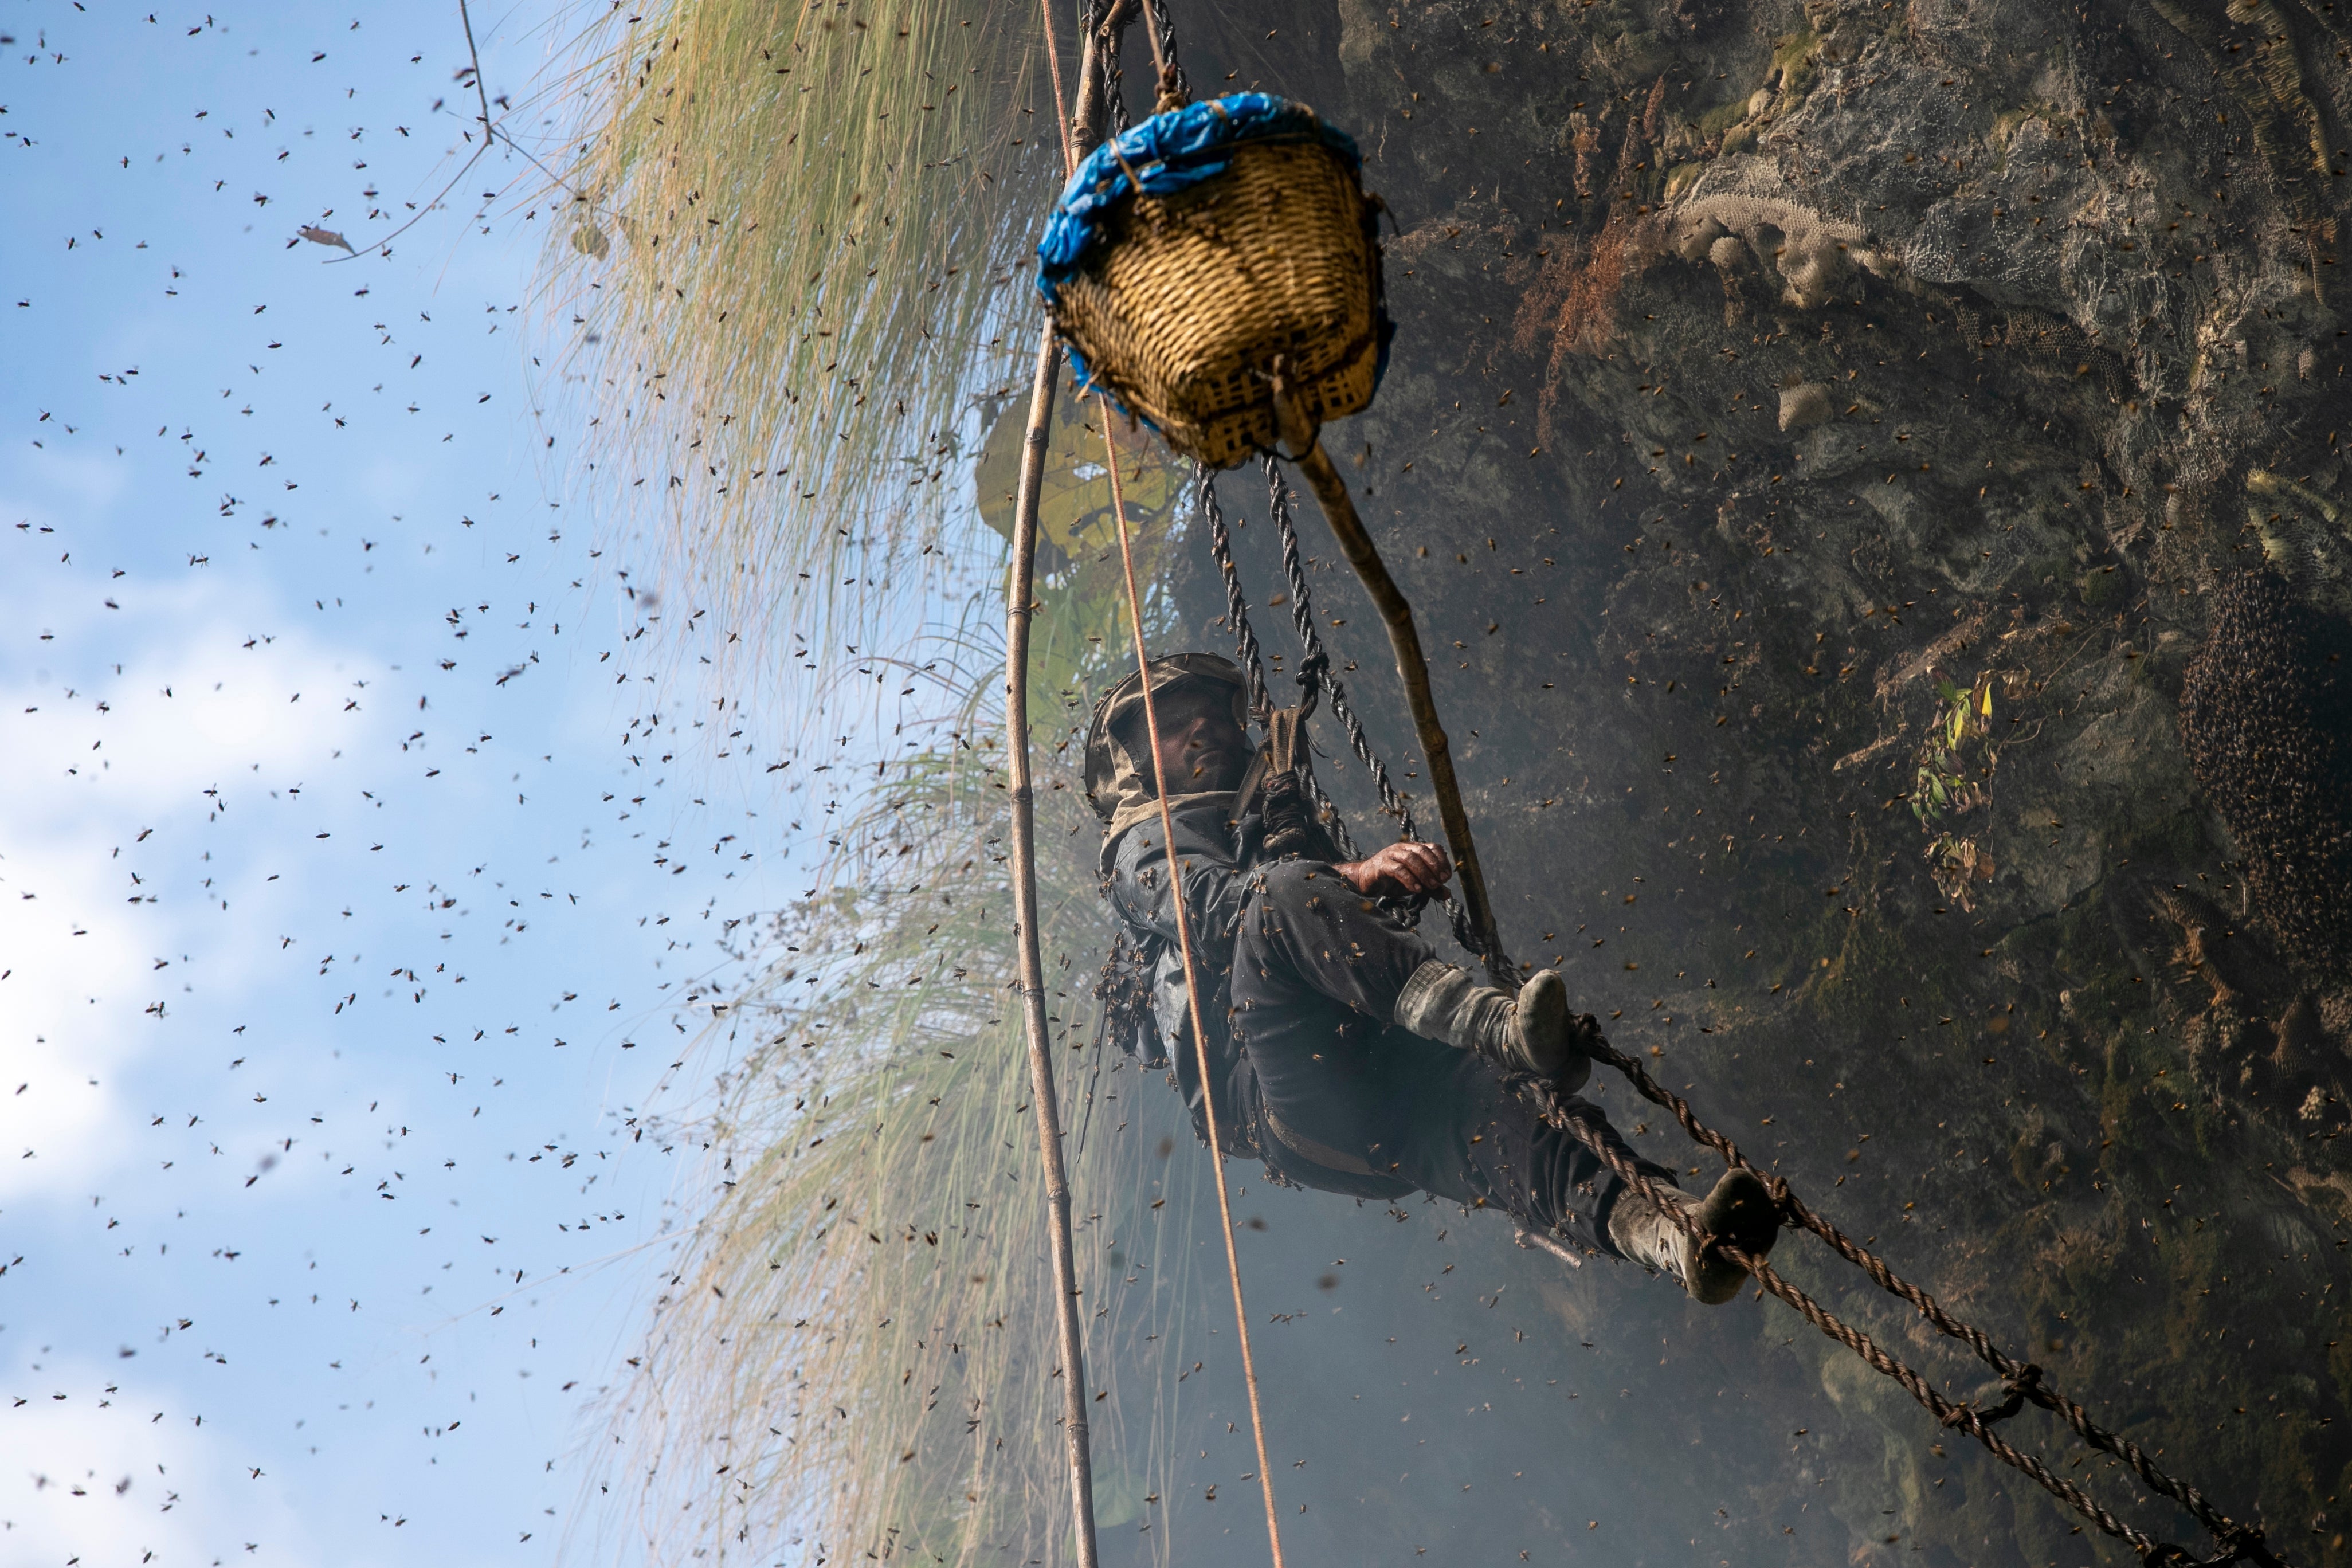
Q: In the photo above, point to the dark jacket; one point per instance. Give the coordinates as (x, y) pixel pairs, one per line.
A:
(1213, 856)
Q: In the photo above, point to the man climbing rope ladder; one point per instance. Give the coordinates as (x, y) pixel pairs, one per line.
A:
(1346, 1055)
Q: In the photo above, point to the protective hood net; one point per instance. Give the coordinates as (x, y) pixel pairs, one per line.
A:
(1120, 779)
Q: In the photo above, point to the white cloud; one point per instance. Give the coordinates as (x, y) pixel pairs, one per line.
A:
(105, 816)
(92, 1476)
(79, 484)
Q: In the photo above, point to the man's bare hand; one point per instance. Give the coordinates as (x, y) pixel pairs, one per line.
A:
(1401, 870)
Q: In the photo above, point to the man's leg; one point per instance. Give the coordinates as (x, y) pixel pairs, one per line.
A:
(1303, 930)
(1305, 933)
(1316, 973)
(1473, 1140)
(1470, 1138)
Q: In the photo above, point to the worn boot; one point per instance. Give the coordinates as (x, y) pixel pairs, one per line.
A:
(1530, 1033)
(1739, 1210)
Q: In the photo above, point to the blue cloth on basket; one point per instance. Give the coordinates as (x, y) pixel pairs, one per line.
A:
(1170, 153)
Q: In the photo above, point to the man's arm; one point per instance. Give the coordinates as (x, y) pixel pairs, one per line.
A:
(1401, 870)
(1140, 890)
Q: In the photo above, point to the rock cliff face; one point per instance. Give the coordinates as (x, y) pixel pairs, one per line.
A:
(1874, 469)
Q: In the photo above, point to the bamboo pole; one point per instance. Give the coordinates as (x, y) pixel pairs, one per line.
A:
(1070, 1346)
(1020, 602)
(1413, 669)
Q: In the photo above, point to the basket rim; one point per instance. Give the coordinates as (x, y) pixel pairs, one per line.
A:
(1180, 150)
(1172, 150)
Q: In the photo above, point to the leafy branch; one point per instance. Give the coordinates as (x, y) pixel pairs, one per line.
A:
(1954, 777)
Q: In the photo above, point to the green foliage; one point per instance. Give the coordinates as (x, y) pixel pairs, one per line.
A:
(1081, 584)
(1950, 780)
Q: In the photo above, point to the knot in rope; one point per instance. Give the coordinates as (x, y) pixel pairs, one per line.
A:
(1311, 671)
(1171, 91)
(2024, 1384)
(2240, 1543)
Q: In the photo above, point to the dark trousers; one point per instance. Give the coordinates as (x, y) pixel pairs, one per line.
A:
(1357, 1105)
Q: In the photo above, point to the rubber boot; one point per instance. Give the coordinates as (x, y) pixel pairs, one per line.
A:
(1530, 1033)
(1739, 1210)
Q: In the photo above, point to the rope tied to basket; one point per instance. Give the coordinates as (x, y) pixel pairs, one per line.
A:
(1172, 91)
(1175, 91)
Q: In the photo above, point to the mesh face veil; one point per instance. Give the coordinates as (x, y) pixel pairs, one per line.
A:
(1117, 767)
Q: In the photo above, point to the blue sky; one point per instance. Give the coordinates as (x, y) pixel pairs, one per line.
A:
(344, 892)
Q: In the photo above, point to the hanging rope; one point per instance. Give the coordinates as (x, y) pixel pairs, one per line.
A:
(1279, 503)
(1246, 644)
(2023, 1381)
(1310, 640)
(1221, 545)
(1174, 90)
(1316, 672)
(1191, 989)
(1107, 22)
(1108, 33)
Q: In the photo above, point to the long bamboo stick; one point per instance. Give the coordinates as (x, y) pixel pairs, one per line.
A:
(1071, 1347)
(1413, 669)
(1020, 600)
(1092, 83)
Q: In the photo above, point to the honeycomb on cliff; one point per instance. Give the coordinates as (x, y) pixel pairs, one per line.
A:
(2260, 709)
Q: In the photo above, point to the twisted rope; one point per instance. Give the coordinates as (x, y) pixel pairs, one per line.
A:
(1246, 642)
(1499, 968)
(2022, 1381)
(1976, 1424)
(1175, 88)
(1221, 546)
(1112, 19)
(1948, 1414)
(1302, 615)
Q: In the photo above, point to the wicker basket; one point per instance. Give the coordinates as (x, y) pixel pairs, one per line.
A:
(1182, 313)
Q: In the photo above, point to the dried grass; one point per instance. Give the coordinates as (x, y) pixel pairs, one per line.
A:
(853, 1351)
(858, 1327)
(796, 250)
(797, 285)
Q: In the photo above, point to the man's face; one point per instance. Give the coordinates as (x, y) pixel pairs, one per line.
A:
(1202, 749)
